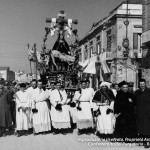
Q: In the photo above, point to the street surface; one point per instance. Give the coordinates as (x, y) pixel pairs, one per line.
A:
(71, 141)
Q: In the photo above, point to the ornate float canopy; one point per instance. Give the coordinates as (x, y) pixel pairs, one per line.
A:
(60, 62)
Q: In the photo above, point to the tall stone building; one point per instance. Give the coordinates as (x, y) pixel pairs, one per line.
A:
(146, 41)
(103, 44)
(7, 74)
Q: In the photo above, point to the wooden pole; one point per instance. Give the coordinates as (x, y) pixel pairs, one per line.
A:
(31, 69)
(28, 45)
(35, 64)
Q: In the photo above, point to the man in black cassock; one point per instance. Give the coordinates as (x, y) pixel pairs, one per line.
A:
(143, 111)
(124, 108)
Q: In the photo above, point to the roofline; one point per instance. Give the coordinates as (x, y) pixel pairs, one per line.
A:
(111, 15)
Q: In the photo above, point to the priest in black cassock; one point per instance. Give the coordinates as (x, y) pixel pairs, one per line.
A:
(143, 111)
(124, 109)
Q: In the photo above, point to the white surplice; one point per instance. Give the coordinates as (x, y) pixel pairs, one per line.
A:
(41, 119)
(30, 96)
(105, 123)
(84, 117)
(72, 112)
(22, 117)
(60, 119)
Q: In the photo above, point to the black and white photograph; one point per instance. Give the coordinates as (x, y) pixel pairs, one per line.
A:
(74, 74)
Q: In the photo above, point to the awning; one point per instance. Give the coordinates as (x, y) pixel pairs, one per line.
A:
(104, 63)
(90, 68)
(84, 64)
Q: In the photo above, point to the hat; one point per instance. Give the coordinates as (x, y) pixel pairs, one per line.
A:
(83, 81)
(131, 84)
(88, 81)
(52, 82)
(122, 83)
(57, 82)
(22, 85)
(105, 83)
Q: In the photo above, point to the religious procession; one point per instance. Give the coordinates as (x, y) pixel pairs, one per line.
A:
(97, 85)
(111, 111)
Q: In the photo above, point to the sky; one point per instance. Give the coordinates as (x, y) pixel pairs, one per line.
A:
(24, 21)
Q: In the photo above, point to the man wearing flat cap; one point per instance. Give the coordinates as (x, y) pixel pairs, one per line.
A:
(103, 110)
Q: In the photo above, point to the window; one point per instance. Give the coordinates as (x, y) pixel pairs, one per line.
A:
(98, 45)
(97, 38)
(148, 15)
(80, 55)
(85, 52)
(91, 49)
(109, 40)
(135, 40)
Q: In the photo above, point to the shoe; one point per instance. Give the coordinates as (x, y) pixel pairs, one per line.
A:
(44, 133)
(15, 133)
(4, 135)
(147, 146)
(88, 133)
(79, 133)
(64, 133)
(18, 135)
(55, 133)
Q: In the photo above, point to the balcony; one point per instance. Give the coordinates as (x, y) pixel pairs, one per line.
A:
(109, 55)
(146, 37)
(136, 53)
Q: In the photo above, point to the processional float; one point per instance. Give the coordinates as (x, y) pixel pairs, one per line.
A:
(61, 62)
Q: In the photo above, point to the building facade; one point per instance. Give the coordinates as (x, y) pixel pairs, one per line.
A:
(7, 74)
(103, 44)
(146, 41)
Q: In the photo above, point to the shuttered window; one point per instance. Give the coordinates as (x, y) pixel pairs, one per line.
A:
(135, 40)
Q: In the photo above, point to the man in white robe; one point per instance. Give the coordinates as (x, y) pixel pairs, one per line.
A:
(22, 111)
(41, 111)
(30, 92)
(83, 99)
(103, 110)
(72, 108)
(59, 110)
